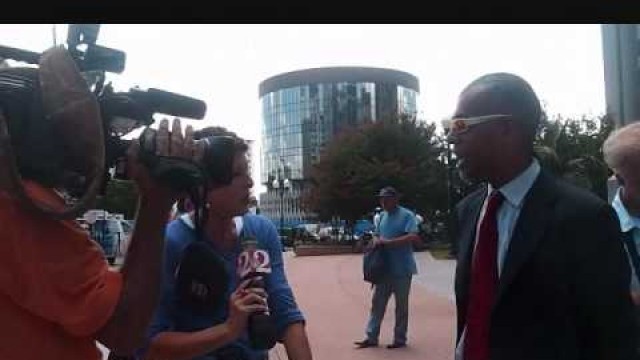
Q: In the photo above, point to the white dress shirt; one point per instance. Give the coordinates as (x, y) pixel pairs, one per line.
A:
(514, 192)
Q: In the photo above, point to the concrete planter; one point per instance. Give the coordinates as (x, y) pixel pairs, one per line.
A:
(325, 249)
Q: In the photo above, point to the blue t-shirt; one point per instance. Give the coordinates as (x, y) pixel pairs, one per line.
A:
(393, 224)
(170, 316)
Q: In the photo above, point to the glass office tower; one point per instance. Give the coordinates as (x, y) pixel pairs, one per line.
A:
(303, 110)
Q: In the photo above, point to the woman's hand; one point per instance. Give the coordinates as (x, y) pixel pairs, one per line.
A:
(244, 302)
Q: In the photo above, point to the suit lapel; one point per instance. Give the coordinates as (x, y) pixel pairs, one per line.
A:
(530, 227)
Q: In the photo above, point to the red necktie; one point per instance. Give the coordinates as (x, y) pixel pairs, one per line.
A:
(484, 278)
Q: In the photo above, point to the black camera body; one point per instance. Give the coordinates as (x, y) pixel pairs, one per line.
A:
(123, 112)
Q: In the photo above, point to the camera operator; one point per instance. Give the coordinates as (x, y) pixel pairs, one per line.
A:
(57, 292)
(179, 331)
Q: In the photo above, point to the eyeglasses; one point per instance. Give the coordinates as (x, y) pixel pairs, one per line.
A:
(457, 126)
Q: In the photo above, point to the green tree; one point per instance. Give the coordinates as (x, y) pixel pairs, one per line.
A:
(572, 148)
(120, 197)
(402, 152)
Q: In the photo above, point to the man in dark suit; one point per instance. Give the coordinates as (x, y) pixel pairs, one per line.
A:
(541, 270)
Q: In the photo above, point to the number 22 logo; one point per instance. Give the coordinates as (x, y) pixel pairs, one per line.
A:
(254, 261)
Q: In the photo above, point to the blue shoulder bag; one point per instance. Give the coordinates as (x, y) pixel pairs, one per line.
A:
(374, 264)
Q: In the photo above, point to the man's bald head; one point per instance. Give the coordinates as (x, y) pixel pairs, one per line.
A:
(504, 93)
(499, 148)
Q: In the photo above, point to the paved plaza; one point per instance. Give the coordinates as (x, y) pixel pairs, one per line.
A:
(335, 300)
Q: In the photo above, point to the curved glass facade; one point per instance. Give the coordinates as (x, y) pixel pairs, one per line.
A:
(298, 121)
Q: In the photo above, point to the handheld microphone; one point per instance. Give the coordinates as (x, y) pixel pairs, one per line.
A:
(254, 263)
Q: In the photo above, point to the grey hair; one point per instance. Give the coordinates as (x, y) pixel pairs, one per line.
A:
(622, 147)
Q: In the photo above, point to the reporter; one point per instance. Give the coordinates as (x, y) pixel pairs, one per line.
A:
(180, 331)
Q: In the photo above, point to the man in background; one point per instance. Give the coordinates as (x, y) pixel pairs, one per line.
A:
(396, 232)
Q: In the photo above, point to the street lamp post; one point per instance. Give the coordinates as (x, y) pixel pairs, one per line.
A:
(450, 189)
(451, 198)
(281, 185)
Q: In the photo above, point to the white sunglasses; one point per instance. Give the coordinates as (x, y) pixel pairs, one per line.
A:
(456, 126)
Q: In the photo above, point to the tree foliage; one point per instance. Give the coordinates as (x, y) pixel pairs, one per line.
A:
(120, 197)
(401, 152)
(572, 148)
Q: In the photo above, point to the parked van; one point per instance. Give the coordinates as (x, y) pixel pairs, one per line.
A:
(106, 229)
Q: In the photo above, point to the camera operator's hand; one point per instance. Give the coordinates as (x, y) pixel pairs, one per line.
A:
(244, 302)
(142, 266)
(167, 143)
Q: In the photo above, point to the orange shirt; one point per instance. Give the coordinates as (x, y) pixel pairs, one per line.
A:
(56, 289)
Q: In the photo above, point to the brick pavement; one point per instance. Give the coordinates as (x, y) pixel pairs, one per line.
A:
(335, 300)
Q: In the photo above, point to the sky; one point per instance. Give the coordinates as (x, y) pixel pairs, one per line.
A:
(224, 64)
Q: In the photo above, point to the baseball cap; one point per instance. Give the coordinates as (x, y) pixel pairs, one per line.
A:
(387, 191)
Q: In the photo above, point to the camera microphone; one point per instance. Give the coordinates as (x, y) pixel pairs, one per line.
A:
(166, 102)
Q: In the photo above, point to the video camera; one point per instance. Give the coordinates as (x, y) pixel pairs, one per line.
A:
(115, 114)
